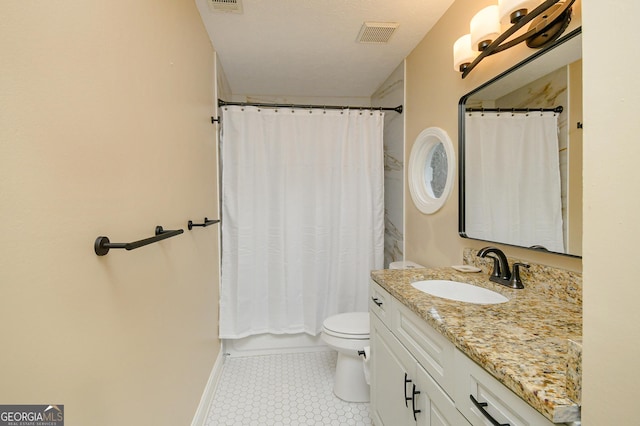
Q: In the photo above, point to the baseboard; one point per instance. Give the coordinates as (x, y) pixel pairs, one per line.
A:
(209, 391)
(269, 344)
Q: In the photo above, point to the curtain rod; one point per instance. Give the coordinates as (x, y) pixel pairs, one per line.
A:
(557, 109)
(221, 103)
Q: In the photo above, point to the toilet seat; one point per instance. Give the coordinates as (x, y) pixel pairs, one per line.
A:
(350, 325)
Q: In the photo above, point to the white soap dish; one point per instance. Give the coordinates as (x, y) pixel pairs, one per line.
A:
(466, 268)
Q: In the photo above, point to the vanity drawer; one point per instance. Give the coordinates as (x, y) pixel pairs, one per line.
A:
(432, 350)
(497, 401)
(380, 302)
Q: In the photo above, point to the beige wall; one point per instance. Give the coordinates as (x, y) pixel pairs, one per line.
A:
(104, 130)
(432, 94)
(611, 366)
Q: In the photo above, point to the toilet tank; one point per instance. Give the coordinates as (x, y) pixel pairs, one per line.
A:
(404, 264)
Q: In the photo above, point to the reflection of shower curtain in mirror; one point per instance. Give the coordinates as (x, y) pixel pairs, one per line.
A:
(302, 217)
(512, 179)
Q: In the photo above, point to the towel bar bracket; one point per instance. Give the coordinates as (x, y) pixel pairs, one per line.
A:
(207, 222)
(102, 246)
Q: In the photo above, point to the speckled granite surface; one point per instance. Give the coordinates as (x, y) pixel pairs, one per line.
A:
(523, 342)
(552, 282)
(574, 370)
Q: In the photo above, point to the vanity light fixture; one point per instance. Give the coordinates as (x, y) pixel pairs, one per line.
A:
(548, 18)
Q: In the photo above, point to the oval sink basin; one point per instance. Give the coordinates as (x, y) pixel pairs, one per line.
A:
(461, 292)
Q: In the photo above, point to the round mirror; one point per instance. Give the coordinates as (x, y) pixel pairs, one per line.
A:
(431, 169)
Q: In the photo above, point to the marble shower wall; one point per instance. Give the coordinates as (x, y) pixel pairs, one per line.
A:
(391, 94)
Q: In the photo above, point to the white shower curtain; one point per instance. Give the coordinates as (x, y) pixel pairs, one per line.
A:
(302, 221)
(512, 179)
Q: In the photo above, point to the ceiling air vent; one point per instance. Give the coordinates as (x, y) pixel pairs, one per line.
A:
(376, 32)
(233, 6)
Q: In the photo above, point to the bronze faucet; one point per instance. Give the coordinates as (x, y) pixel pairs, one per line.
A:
(501, 272)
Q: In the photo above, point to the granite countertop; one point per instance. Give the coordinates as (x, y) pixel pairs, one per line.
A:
(523, 342)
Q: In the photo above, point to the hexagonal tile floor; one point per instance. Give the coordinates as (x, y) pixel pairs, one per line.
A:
(282, 389)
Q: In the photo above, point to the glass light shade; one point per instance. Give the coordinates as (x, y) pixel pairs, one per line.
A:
(485, 26)
(507, 7)
(462, 52)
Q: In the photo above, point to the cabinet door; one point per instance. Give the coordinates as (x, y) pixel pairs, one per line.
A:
(436, 407)
(391, 366)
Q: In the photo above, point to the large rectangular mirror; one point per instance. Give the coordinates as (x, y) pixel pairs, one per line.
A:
(520, 153)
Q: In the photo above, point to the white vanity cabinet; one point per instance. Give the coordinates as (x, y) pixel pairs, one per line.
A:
(418, 377)
(402, 391)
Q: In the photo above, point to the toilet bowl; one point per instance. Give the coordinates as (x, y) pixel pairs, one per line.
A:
(348, 334)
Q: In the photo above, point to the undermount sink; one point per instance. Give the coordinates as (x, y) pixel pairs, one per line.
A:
(461, 292)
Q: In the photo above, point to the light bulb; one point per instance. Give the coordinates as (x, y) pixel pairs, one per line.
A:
(463, 54)
(485, 27)
(511, 11)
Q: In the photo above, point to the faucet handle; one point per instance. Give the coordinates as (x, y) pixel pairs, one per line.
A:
(515, 281)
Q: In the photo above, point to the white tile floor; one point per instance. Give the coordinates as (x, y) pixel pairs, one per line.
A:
(282, 389)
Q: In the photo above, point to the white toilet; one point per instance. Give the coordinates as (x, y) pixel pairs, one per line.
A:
(348, 334)
(404, 264)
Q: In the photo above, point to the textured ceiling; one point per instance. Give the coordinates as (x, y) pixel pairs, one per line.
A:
(308, 47)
